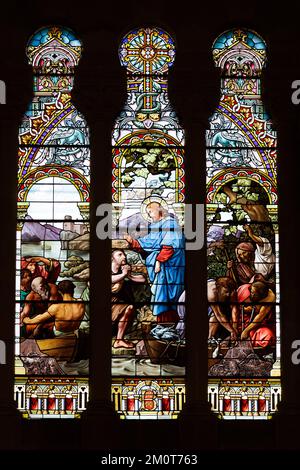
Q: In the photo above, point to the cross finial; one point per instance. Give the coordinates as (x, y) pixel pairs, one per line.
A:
(147, 51)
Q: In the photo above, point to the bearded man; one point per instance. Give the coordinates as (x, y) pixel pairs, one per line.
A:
(38, 300)
(242, 270)
(66, 315)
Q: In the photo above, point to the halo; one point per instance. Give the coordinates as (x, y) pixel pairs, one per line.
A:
(150, 199)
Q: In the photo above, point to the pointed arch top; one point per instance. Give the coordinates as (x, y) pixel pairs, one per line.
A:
(240, 52)
(54, 49)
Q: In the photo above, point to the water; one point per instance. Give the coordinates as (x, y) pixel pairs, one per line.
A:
(144, 367)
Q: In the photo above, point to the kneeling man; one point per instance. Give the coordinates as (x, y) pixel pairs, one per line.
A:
(255, 320)
(122, 310)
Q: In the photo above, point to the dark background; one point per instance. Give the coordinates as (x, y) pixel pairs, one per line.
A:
(100, 91)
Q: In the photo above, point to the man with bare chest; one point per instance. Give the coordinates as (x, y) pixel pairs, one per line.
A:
(65, 316)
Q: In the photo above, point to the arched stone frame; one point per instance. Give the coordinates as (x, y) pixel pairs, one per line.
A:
(141, 138)
(257, 176)
(171, 144)
(71, 175)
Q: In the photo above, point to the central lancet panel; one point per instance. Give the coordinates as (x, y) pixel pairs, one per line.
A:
(148, 246)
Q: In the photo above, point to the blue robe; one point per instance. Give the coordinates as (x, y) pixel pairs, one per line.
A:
(168, 284)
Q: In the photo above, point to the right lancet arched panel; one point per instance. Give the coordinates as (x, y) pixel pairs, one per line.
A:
(242, 237)
(148, 246)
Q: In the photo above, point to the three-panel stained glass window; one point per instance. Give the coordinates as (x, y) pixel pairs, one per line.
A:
(148, 356)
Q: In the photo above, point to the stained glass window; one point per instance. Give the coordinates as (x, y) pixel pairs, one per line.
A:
(148, 254)
(242, 237)
(52, 258)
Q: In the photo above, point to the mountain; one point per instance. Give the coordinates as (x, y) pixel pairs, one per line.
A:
(36, 232)
(135, 224)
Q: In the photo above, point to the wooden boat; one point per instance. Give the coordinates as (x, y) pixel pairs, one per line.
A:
(163, 351)
(71, 348)
(62, 349)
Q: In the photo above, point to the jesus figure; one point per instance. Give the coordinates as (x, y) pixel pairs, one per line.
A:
(165, 261)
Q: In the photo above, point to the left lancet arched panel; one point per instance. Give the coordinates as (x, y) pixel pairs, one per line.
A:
(52, 252)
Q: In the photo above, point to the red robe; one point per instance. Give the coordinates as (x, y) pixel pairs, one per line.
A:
(50, 273)
(262, 335)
